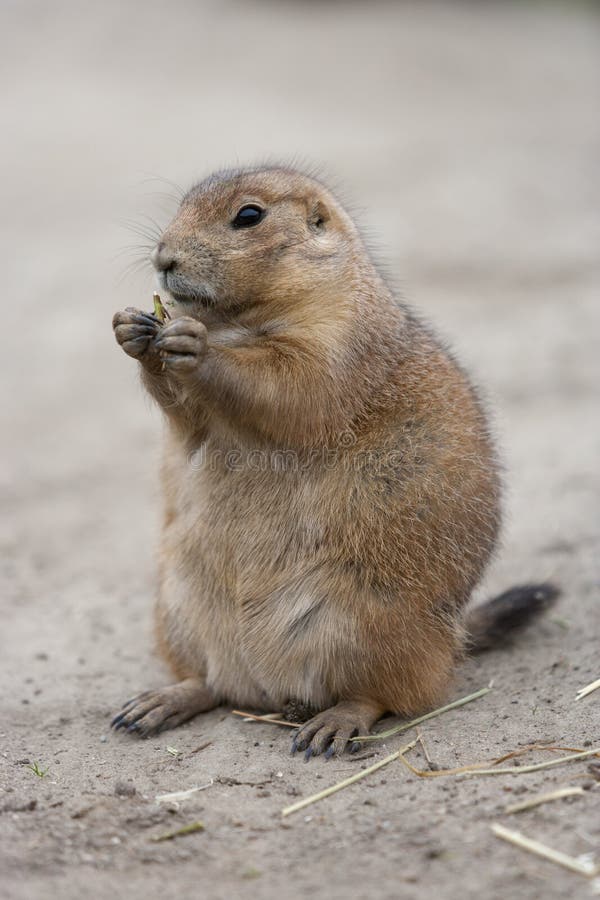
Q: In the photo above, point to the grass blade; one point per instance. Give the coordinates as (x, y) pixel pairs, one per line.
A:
(186, 829)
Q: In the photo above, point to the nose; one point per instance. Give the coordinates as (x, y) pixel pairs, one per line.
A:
(162, 257)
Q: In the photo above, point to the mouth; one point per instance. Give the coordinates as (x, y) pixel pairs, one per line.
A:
(185, 293)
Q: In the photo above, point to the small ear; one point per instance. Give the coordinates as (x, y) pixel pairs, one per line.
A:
(318, 216)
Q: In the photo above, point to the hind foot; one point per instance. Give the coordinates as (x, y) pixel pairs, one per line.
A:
(155, 711)
(331, 730)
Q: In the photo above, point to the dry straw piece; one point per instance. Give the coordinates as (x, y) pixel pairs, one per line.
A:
(523, 770)
(404, 726)
(543, 798)
(178, 796)
(584, 691)
(581, 866)
(267, 718)
(479, 768)
(347, 781)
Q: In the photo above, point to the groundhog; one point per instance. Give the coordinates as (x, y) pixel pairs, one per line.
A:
(331, 488)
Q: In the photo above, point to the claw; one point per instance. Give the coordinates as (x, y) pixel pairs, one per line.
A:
(151, 711)
(138, 314)
(334, 730)
(299, 743)
(135, 699)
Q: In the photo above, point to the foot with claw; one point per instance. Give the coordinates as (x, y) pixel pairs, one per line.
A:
(331, 731)
(155, 711)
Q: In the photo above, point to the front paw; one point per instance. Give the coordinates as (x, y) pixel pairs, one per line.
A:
(135, 331)
(182, 345)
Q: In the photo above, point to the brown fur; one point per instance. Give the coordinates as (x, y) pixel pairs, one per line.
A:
(331, 489)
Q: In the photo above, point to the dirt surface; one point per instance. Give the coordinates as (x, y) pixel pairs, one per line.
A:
(468, 138)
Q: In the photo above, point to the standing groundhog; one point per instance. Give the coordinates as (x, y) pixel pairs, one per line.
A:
(331, 488)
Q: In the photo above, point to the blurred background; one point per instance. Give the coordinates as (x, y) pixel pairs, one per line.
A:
(465, 137)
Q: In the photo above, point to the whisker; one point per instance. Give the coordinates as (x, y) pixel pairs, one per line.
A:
(154, 224)
(165, 198)
(141, 249)
(180, 192)
(134, 268)
(142, 230)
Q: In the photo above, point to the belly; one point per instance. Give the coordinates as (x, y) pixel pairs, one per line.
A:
(243, 596)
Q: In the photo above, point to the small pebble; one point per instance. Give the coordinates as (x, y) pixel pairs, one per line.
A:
(123, 789)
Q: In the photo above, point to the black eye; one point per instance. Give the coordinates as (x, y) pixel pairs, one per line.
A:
(248, 215)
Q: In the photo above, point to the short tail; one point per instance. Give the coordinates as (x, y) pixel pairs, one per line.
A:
(494, 622)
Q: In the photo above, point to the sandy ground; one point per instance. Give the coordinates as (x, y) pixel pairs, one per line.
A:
(468, 139)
